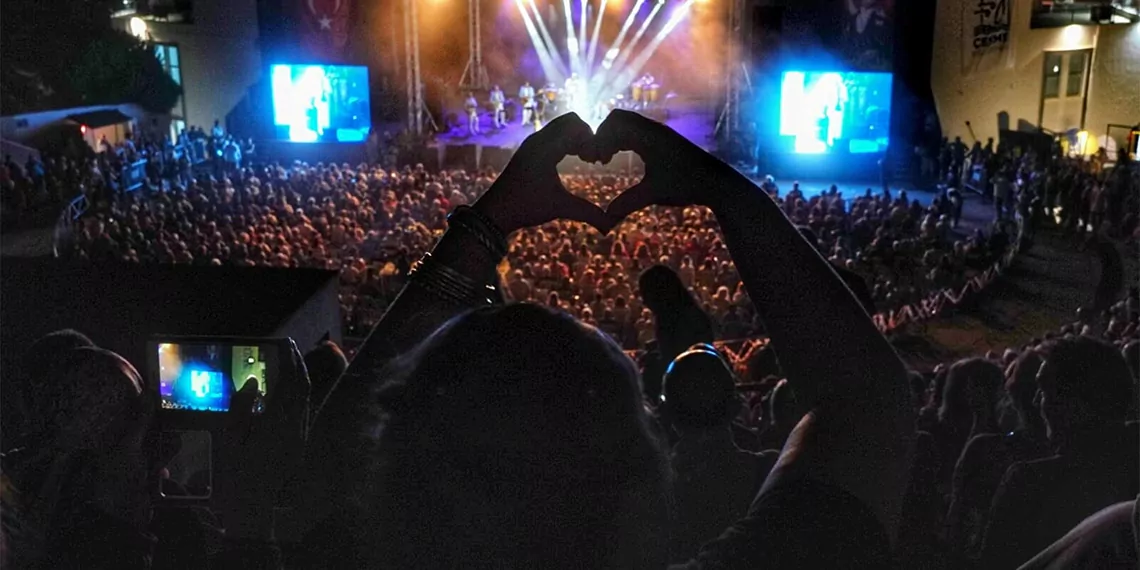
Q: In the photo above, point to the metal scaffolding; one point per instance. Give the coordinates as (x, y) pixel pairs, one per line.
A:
(735, 71)
(417, 110)
(475, 74)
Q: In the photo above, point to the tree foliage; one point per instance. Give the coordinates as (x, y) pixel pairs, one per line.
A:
(118, 68)
(64, 53)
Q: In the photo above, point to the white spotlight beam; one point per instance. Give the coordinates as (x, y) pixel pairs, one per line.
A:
(582, 45)
(548, 66)
(572, 46)
(594, 38)
(616, 47)
(639, 62)
(551, 46)
(619, 63)
(600, 78)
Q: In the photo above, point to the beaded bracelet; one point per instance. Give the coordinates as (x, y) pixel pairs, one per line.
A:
(481, 227)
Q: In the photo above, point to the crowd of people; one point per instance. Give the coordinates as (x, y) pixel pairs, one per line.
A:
(473, 432)
(44, 183)
(1080, 192)
(369, 224)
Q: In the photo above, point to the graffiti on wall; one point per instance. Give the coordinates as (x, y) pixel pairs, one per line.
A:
(990, 24)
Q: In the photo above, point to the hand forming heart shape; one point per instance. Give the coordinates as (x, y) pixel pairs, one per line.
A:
(529, 192)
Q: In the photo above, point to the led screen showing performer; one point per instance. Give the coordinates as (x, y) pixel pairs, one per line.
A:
(204, 377)
(824, 112)
(320, 103)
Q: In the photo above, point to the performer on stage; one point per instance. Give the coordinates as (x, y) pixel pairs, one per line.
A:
(573, 93)
(526, 97)
(549, 101)
(497, 102)
(472, 107)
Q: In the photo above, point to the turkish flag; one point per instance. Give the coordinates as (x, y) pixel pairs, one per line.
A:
(324, 27)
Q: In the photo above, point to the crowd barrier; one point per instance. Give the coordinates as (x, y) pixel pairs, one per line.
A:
(739, 351)
(62, 233)
(939, 301)
(134, 175)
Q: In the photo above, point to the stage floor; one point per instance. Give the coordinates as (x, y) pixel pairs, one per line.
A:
(694, 121)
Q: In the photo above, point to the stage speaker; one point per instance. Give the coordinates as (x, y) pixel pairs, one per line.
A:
(459, 156)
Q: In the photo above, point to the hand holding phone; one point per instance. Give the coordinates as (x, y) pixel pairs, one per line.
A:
(260, 452)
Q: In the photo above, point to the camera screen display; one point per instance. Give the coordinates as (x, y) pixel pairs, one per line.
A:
(204, 377)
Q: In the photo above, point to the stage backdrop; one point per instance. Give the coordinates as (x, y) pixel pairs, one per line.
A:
(840, 34)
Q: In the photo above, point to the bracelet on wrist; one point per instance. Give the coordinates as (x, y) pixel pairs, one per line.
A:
(482, 228)
(448, 284)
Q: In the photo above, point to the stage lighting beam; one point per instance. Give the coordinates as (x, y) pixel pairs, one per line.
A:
(627, 25)
(593, 49)
(600, 79)
(642, 58)
(544, 58)
(550, 46)
(619, 63)
(571, 43)
(582, 35)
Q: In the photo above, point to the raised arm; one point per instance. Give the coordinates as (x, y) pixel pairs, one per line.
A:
(455, 277)
(859, 431)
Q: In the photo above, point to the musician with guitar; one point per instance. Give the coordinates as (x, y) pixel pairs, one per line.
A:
(526, 97)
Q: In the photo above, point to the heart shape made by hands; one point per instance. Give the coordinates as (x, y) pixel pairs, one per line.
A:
(529, 192)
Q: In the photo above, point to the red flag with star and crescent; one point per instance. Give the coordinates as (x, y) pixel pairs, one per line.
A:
(324, 27)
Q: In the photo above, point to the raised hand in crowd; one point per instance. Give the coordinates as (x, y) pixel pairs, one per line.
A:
(263, 452)
(856, 438)
(460, 274)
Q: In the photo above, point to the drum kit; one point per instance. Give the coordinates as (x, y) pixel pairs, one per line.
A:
(644, 94)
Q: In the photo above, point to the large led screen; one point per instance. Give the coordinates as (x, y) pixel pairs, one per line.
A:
(320, 103)
(835, 111)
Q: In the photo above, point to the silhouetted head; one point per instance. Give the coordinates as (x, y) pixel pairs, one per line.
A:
(1085, 385)
(972, 389)
(516, 437)
(1021, 386)
(699, 390)
(45, 353)
(325, 363)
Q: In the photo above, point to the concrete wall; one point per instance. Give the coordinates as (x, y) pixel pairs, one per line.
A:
(220, 57)
(1114, 94)
(977, 89)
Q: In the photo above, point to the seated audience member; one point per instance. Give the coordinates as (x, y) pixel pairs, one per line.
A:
(79, 489)
(854, 282)
(32, 388)
(1107, 539)
(969, 408)
(491, 459)
(516, 437)
(714, 480)
(968, 404)
(325, 364)
(679, 322)
(987, 456)
(1085, 388)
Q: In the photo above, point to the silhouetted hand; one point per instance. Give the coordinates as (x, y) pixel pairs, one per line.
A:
(529, 192)
(677, 172)
(262, 451)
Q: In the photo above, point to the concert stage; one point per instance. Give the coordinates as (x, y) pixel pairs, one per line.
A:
(456, 146)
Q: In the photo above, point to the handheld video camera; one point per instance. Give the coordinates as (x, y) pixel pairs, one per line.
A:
(197, 379)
